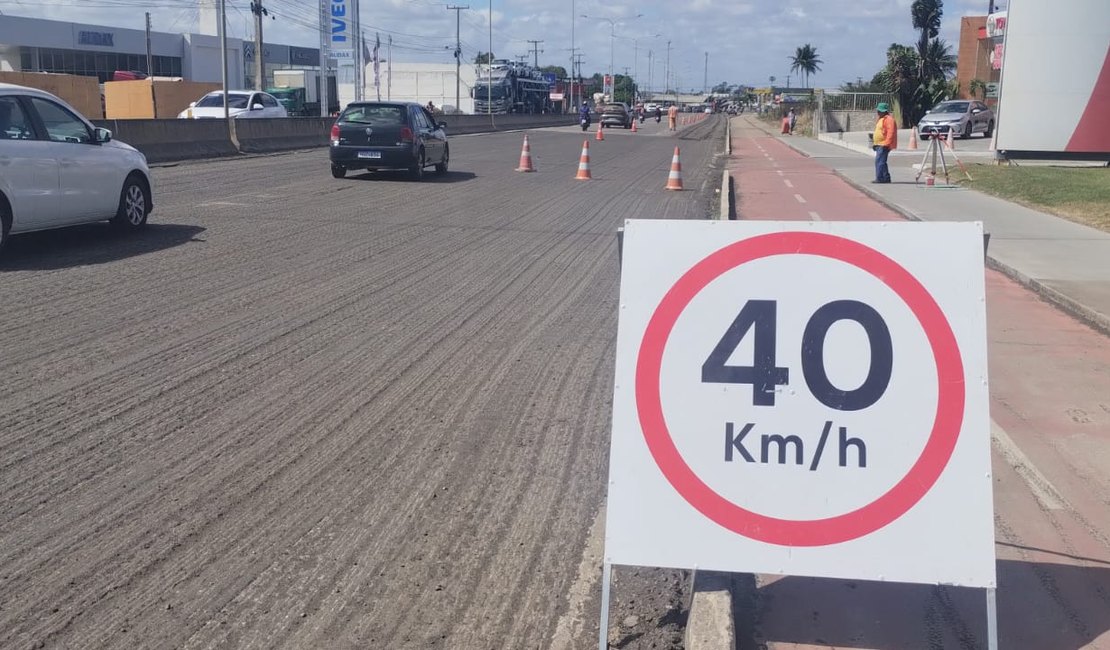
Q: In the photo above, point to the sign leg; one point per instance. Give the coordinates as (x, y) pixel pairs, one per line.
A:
(606, 583)
(992, 620)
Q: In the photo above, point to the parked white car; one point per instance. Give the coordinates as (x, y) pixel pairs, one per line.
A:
(57, 169)
(241, 104)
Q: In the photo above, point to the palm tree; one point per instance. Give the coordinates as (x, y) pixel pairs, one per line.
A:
(926, 15)
(805, 59)
(900, 79)
(977, 88)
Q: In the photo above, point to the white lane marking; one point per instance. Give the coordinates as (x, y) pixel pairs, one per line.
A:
(779, 172)
(788, 183)
(800, 198)
(1043, 490)
(813, 215)
(589, 570)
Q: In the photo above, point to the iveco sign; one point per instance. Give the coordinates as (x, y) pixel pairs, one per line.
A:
(103, 39)
(339, 31)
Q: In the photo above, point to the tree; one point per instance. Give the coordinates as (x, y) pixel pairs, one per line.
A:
(483, 57)
(977, 88)
(805, 59)
(900, 79)
(722, 88)
(926, 16)
(560, 71)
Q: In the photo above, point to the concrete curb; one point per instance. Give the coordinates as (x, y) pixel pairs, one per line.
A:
(1069, 305)
(710, 625)
(725, 213)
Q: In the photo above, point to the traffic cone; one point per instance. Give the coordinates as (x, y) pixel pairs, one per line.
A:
(913, 139)
(600, 136)
(951, 142)
(584, 162)
(674, 179)
(633, 125)
(525, 157)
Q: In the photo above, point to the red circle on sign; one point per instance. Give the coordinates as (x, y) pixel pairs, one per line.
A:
(813, 532)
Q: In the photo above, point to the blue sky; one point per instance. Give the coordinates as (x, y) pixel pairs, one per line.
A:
(748, 40)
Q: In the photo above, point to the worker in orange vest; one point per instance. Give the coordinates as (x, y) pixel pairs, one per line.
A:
(672, 117)
(883, 141)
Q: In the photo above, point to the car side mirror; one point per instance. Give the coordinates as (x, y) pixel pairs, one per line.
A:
(442, 125)
(192, 104)
(257, 107)
(103, 135)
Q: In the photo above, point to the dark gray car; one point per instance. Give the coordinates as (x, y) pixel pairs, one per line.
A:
(388, 135)
(962, 117)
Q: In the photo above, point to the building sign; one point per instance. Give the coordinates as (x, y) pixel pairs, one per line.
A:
(99, 39)
(304, 56)
(992, 90)
(996, 56)
(340, 25)
(996, 24)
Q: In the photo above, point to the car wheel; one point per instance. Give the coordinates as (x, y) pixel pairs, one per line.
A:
(967, 130)
(338, 171)
(416, 172)
(441, 168)
(134, 204)
(990, 129)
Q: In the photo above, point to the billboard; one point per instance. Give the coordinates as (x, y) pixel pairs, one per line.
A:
(1055, 87)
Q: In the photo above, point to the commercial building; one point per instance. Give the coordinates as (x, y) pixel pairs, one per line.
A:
(980, 55)
(39, 45)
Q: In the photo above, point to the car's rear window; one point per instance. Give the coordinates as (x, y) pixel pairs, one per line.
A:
(374, 114)
(615, 108)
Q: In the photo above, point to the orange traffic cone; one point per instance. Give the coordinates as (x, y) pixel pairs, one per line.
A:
(599, 136)
(584, 162)
(674, 179)
(913, 139)
(633, 124)
(525, 157)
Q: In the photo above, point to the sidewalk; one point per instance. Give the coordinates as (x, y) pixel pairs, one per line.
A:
(1066, 263)
(976, 148)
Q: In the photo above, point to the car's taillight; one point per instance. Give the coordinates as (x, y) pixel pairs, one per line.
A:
(335, 134)
(406, 134)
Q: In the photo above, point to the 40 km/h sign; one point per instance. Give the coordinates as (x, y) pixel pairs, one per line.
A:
(806, 399)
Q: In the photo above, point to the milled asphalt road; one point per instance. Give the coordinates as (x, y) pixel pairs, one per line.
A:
(313, 413)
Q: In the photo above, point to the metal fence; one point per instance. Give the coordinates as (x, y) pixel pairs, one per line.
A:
(855, 101)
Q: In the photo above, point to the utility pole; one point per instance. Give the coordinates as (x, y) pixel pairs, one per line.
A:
(667, 71)
(705, 80)
(149, 56)
(223, 55)
(458, 53)
(259, 70)
(536, 53)
(651, 71)
(389, 69)
(325, 32)
(578, 76)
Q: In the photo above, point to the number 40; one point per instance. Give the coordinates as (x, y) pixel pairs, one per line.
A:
(764, 376)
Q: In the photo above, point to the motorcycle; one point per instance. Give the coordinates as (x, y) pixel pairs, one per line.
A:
(658, 117)
(584, 121)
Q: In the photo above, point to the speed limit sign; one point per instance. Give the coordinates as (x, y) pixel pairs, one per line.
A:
(803, 398)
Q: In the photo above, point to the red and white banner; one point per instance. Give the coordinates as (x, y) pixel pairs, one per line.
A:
(1055, 94)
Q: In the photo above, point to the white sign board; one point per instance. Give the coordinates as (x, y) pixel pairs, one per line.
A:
(803, 398)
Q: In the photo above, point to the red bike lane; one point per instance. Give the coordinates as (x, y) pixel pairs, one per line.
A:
(1050, 405)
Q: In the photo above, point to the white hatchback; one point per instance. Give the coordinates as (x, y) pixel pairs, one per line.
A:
(57, 169)
(241, 104)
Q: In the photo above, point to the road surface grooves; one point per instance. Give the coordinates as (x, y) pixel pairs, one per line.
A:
(1050, 406)
(306, 412)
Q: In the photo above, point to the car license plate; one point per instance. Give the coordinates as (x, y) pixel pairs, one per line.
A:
(369, 154)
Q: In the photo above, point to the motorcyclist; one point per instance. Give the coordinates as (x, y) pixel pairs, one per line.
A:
(658, 114)
(584, 115)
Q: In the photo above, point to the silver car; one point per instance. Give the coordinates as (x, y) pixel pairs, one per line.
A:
(960, 116)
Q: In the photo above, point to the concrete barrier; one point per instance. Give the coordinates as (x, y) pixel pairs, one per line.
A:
(170, 140)
(174, 140)
(281, 134)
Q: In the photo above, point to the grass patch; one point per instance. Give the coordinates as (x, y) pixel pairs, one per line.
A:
(1080, 194)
